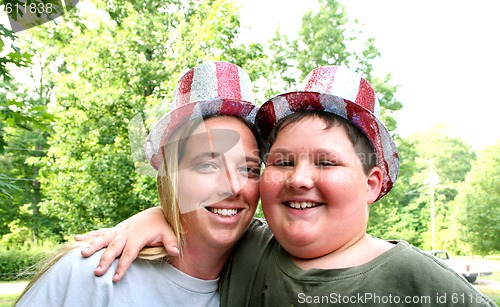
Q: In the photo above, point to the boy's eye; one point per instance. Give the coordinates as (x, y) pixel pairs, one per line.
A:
(326, 163)
(283, 163)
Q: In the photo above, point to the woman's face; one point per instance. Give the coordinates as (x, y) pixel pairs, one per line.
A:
(218, 181)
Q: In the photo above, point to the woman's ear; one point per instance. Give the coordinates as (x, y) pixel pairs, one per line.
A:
(374, 184)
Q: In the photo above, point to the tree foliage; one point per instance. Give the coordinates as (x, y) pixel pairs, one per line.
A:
(110, 64)
(10, 53)
(451, 159)
(117, 63)
(478, 203)
(393, 217)
(25, 127)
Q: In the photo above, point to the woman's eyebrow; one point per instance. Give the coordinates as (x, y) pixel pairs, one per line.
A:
(206, 154)
(212, 155)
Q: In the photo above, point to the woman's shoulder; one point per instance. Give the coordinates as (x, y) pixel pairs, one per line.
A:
(73, 266)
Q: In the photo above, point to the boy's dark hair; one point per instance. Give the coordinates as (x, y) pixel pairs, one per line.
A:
(360, 142)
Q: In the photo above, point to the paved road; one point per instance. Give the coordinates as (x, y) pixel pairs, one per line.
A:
(484, 282)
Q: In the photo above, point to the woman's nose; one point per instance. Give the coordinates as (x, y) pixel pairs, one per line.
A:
(232, 181)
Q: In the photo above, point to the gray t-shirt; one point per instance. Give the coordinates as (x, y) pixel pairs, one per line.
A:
(263, 274)
(71, 282)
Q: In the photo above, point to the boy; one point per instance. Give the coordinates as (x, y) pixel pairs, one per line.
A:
(330, 158)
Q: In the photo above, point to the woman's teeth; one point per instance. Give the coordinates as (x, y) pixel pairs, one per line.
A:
(223, 212)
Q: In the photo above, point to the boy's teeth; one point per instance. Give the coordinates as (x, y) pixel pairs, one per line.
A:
(301, 205)
(224, 212)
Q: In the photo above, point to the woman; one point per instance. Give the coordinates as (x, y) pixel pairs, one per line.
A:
(207, 154)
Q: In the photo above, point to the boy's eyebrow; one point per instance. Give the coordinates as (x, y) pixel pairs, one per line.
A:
(279, 150)
(322, 150)
(327, 151)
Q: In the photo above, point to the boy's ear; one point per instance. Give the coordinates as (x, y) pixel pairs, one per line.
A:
(374, 184)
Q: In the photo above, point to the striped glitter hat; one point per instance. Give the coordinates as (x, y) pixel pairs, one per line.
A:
(345, 93)
(212, 88)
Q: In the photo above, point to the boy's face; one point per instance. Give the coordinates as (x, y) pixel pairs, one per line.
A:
(314, 192)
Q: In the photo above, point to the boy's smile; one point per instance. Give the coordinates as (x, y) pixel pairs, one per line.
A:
(302, 205)
(314, 192)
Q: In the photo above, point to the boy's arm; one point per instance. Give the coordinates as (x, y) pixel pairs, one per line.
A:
(147, 228)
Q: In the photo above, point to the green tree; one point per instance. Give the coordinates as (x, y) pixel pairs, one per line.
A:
(10, 54)
(19, 113)
(451, 160)
(118, 64)
(111, 69)
(26, 127)
(326, 38)
(478, 203)
(394, 216)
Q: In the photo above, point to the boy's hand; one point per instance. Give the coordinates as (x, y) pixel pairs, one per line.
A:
(98, 239)
(147, 228)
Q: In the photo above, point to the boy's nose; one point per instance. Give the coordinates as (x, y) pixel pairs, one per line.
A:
(300, 177)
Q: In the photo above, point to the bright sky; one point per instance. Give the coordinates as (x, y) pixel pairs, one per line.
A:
(444, 54)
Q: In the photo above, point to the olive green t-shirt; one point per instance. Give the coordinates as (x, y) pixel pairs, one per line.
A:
(261, 273)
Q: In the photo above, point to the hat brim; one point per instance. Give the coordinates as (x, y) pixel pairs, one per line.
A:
(163, 129)
(285, 104)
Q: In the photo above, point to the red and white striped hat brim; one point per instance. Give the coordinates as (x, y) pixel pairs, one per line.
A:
(340, 91)
(212, 88)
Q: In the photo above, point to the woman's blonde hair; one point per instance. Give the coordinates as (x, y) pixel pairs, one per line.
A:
(167, 182)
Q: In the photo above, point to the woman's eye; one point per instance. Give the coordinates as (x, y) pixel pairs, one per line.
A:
(205, 167)
(251, 172)
(255, 172)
